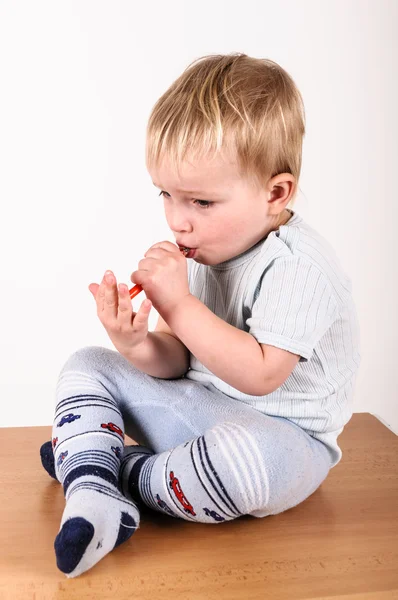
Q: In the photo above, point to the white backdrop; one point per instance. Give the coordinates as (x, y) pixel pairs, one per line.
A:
(78, 80)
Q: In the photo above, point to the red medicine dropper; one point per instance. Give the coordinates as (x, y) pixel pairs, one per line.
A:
(134, 291)
(137, 288)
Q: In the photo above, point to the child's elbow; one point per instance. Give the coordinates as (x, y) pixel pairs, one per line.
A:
(277, 365)
(261, 388)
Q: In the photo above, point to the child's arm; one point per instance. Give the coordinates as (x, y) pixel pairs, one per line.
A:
(160, 355)
(231, 354)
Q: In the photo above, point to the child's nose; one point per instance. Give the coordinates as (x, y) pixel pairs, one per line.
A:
(178, 223)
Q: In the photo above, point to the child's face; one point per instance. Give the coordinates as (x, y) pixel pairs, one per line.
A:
(211, 208)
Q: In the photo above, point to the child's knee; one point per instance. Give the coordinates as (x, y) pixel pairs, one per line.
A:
(294, 475)
(271, 472)
(93, 358)
(95, 371)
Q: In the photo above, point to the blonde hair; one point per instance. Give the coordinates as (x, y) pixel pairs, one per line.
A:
(248, 107)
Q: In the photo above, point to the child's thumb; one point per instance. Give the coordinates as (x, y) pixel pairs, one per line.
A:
(91, 288)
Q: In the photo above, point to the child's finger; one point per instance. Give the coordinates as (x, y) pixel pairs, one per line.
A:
(108, 296)
(125, 310)
(141, 318)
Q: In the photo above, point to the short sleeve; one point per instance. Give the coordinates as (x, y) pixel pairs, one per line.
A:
(294, 308)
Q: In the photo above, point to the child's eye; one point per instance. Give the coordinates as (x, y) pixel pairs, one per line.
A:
(202, 203)
(206, 204)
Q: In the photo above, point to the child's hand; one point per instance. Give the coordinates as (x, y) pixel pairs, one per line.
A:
(126, 328)
(163, 274)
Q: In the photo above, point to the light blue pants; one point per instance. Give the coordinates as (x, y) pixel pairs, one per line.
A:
(215, 458)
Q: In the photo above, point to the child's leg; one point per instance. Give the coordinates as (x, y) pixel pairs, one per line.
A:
(251, 466)
(95, 387)
(88, 440)
(268, 453)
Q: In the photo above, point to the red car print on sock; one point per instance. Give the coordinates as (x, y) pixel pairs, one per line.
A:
(55, 440)
(175, 486)
(113, 427)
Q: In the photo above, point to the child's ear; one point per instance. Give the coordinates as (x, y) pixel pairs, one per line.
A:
(280, 188)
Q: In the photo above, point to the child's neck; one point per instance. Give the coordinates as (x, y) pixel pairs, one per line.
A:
(285, 217)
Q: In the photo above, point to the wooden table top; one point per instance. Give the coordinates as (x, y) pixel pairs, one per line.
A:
(340, 544)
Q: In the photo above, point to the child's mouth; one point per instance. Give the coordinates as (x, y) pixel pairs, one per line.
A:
(188, 252)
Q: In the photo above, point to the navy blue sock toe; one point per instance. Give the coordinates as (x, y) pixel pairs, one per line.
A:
(47, 458)
(71, 543)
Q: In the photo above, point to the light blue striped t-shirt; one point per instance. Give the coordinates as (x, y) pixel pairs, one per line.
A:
(290, 291)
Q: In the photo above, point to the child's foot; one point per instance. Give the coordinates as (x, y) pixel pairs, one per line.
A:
(47, 458)
(96, 519)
